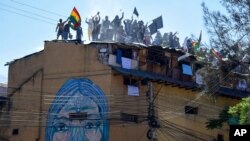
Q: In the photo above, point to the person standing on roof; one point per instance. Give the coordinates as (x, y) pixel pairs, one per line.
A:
(116, 23)
(147, 37)
(67, 31)
(105, 24)
(90, 27)
(128, 26)
(79, 34)
(96, 20)
(60, 28)
(134, 31)
(158, 39)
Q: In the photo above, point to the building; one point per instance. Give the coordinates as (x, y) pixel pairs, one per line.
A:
(3, 90)
(100, 91)
(4, 107)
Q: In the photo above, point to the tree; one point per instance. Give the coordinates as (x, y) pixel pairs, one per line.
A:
(233, 115)
(230, 32)
(241, 111)
(218, 122)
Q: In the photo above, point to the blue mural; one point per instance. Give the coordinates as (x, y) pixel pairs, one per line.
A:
(78, 95)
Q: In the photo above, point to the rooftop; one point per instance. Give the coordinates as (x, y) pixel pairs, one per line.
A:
(163, 59)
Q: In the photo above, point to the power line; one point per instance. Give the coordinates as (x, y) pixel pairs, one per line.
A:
(27, 16)
(28, 12)
(46, 11)
(182, 130)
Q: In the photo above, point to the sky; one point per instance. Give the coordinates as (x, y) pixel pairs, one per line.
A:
(26, 24)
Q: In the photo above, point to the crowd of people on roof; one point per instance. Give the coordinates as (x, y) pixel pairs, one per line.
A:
(125, 31)
(119, 30)
(128, 31)
(63, 30)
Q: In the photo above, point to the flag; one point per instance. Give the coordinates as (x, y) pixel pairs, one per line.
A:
(199, 40)
(75, 18)
(158, 21)
(136, 12)
(157, 24)
(197, 44)
(216, 54)
(153, 28)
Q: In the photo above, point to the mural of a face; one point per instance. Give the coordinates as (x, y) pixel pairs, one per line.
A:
(78, 96)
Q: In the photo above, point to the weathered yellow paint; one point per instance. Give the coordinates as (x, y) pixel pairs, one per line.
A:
(61, 61)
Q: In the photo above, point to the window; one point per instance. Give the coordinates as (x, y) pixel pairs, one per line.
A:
(144, 81)
(129, 81)
(220, 137)
(191, 110)
(15, 131)
(129, 117)
(186, 69)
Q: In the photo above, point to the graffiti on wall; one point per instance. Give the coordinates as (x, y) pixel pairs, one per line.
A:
(78, 95)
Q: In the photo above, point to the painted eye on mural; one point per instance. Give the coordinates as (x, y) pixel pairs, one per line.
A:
(61, 127)
(92, 125)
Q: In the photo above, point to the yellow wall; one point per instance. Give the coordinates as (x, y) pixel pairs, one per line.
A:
(22, 69)
(171, 102)
(62, 61)
(120, 101)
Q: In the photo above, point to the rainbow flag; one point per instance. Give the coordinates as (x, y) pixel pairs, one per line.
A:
(197, 44)
(75, 18)
(216, 54)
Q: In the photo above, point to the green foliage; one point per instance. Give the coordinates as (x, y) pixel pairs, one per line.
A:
(238, 114)
(214, 123)
(218, 123)
(241, 111)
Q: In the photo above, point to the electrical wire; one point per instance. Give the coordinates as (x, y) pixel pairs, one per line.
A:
(182, 130)
(28, 12)
(36, 8)
(27, 16)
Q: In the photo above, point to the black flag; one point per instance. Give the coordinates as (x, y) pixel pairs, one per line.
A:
(158, 21)
(136, 12)
(157, 24)
(153, 28)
